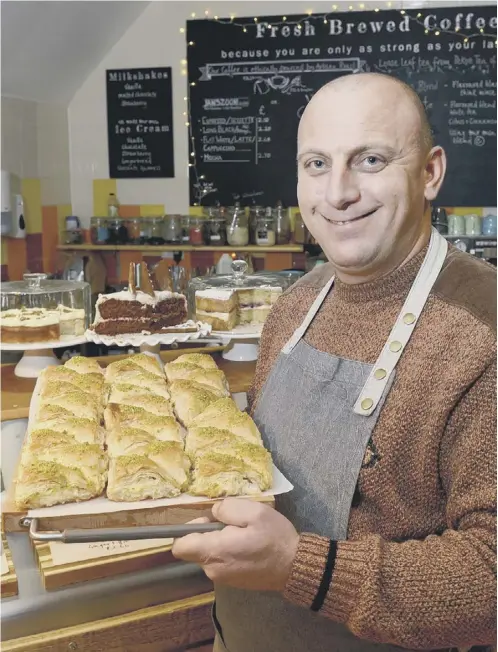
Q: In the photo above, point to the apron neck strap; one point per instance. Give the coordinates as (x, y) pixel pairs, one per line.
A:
(405, 324)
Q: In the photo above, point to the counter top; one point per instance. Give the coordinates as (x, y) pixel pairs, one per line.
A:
(16, 392)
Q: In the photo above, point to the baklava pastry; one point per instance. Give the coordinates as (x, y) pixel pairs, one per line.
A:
(164, 428)
(60, 474)
(213, 378)
(190, 399)
(226, 415)
(127, 440)
(159, 470)
(196, 359)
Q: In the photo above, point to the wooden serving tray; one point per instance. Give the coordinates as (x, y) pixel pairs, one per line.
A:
(9, 585)
(56, 576)
(169, 515)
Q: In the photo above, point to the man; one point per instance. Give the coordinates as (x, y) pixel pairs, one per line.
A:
(376, 394)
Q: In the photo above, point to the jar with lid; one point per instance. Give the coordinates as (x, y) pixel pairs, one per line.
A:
(265, 231)
(196, 231)
(113, 228)
(237, 227)
(172, 229)
(255, 212)
(216, 232)
(156, 231)
(282, 225)
(134, 226)
(301, 234)
(185, 229)
(99, 231)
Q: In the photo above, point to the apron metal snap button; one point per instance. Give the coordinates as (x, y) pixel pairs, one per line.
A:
(380, 374)
(395, 347)
(409, 318)
(366, 404)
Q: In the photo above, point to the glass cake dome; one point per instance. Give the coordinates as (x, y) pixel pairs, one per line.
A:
(230, 301)
(37, 309)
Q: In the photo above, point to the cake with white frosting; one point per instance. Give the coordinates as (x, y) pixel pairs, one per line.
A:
(139, 312)
(30, 325)
(227, 308)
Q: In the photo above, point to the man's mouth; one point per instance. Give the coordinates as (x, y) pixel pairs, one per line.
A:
(349, 220)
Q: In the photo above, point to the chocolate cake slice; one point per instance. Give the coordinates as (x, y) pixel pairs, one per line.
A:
(138, 312)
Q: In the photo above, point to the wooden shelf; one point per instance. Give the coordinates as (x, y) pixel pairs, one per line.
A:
(253, 249)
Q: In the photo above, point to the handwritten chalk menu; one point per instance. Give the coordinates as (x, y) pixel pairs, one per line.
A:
(140, 123)
(251, 79)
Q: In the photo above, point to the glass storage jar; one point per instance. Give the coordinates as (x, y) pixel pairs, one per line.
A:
(185, 229)
(265, 231)
(196, 231)
(172, 229)
(282, 225)
(113, 227)
(99, 230)
(156, 231)
(216, 232)
(301, 235)
(255, 212)
(134, 226)
(237, 227)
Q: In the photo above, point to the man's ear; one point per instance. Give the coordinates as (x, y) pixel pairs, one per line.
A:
(435, 170)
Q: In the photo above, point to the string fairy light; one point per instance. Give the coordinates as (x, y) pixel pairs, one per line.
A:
(310, 15)
(246, 24)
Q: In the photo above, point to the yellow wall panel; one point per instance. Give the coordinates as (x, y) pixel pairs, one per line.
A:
(151, 210)
(466, 210)
(196, 211)
(31, 193)
(102, 188)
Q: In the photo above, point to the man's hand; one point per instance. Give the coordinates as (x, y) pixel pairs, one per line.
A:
(254, 551)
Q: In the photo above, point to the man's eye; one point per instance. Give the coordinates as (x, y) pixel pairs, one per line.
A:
(372, 163)
(315, 164)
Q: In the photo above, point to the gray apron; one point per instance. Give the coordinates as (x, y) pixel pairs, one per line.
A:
(317, 413)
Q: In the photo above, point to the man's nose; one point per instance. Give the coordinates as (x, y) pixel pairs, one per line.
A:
(342, 188)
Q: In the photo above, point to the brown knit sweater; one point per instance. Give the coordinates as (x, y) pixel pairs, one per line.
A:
(418, 567)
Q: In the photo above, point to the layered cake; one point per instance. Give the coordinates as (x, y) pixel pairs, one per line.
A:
(139, 312)
(30, 325)
(227, 308)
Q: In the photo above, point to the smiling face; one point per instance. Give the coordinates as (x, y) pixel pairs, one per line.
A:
(365, 175)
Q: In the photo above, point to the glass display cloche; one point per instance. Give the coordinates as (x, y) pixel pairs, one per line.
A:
(37, 309)
(234, 300)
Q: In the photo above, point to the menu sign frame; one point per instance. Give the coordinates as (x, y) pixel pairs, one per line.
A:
(250, 80)
(140, 123)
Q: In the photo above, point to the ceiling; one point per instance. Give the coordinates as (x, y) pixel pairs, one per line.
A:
(49, 48)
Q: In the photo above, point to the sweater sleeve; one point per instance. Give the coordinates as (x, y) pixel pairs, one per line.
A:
(423, 594)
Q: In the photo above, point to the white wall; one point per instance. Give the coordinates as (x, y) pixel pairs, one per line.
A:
(19, 138)
(52, 135)
(35, 144)
(155, 40)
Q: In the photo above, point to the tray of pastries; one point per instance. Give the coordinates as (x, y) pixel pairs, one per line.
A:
(134, 438)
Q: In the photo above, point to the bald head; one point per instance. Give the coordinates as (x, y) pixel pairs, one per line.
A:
(393, 94)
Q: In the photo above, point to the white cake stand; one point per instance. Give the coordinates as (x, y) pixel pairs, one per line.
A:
(241, 344)
(39, 355)
(151, 344)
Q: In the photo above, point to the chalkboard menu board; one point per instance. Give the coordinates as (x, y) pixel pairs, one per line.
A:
(251, 78)
(140, 123)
